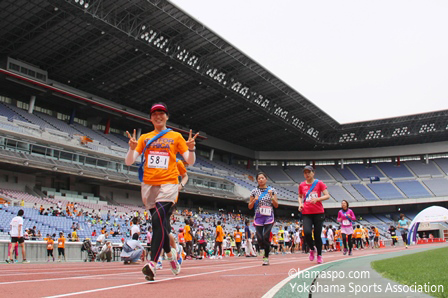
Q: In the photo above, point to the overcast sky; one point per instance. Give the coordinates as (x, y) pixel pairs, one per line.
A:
(355, 59)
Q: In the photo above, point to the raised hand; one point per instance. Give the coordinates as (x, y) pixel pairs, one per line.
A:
(191, 142)
(132, 140)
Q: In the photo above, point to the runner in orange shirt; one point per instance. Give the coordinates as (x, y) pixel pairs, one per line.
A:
(376, 237)
(61, 246)
(181, 239)
(238, 236)
(358, 237)
(188, 239)
(218, 240)
(50, 243)
(159, 175)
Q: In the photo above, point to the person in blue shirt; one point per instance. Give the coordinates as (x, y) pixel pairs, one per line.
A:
(403, 225)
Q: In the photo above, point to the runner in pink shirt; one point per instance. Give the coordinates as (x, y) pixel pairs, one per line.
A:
(346, 217)
(311, 194)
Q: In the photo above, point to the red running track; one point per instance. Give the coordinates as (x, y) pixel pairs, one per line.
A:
(228, 277)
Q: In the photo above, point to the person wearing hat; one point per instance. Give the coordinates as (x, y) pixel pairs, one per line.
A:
(159, 175)
(311, 194)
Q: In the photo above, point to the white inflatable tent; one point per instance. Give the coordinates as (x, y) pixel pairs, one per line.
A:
(430, 214)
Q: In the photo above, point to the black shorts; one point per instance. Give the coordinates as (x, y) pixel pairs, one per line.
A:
(49, 252)
(61, 251)
(280, 242)
(288, 244)
(17, 239)
(375, 239)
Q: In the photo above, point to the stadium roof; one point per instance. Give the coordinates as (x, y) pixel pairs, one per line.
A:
(136, 52)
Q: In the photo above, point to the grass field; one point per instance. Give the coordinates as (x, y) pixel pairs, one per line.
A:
(421, 268)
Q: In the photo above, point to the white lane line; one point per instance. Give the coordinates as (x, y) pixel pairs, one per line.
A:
(163, 280)
(112, 274)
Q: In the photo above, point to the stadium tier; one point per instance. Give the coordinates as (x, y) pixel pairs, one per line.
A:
(431, 175)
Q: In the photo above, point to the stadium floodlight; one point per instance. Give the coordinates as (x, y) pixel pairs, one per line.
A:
(76, 1)
(106, 177)
(81, 2)
(55, 168)
(86, 5)
(26, 163)
(143, 27)
(80, 173)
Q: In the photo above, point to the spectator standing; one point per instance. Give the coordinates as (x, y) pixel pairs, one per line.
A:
(16, 232)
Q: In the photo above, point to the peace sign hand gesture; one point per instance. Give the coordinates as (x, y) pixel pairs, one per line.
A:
(191, 142)
(132, 140)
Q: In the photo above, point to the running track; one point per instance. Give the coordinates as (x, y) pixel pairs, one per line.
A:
(229, 277)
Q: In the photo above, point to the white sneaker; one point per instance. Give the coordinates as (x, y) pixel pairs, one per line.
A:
(159, 265)
(219, 257)
(175, 266)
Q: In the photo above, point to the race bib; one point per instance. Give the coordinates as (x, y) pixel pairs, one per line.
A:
(266, 211)
(346, 222)
(60, 243)
(158, 159)
(49, 246)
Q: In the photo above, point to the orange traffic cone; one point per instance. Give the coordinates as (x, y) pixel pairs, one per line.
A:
(382, 244)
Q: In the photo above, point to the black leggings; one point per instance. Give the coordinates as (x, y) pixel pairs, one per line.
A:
(359, 243)
(189, 246)
(344, 241)
(263, 235)
(160, 227)
(316, 220)
(404, 236)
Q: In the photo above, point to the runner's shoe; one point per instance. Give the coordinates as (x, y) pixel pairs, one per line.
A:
(345, 251)
(175, 266)
(312, 251)
(265, 261)
(159, 265)
(25, 262)
(320, 260)
(150, 271)
(350, 253)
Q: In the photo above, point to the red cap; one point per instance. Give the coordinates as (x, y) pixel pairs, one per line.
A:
(159, 107)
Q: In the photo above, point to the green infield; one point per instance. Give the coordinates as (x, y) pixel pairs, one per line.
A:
(427, 271)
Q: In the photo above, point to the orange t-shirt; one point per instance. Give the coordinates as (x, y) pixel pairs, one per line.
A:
(187, 234)
(238, 236)
(50, 243)
(219, 234)
(337, 234)
(181, 168)
(160, 165)
(377, 233)
(61, 242)
(358, 233)
(181, 238)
